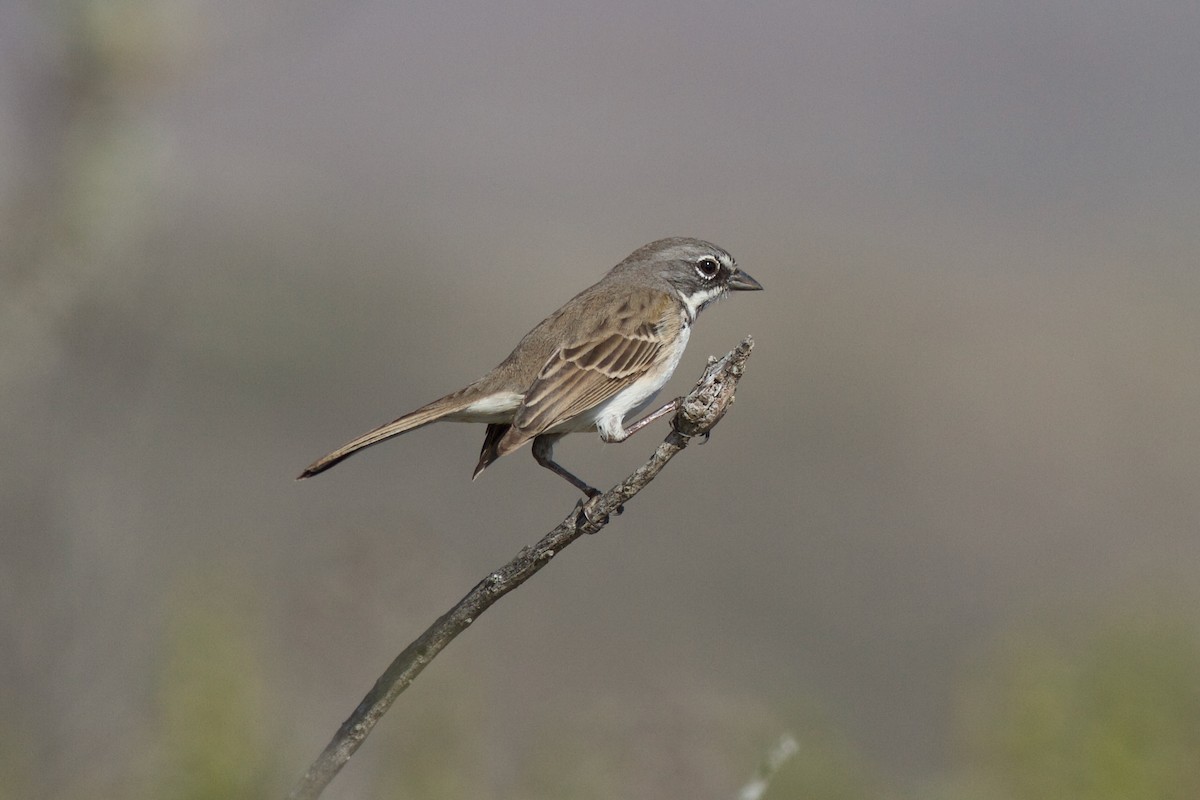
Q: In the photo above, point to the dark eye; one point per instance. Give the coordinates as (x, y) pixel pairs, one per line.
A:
(708, 267)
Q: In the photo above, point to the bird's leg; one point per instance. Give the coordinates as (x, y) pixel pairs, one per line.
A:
(669, 408)
(543, 449)
(543, 453)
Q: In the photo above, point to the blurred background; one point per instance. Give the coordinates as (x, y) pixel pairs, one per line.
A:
(947, 538)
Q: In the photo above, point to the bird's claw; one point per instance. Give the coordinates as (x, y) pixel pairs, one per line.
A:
(589, 519)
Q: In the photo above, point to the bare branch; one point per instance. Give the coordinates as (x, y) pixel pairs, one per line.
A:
(698, 412)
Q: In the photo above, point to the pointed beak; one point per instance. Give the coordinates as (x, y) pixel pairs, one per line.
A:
(740, 281)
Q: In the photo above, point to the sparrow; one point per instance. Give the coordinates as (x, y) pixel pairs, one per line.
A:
(598, 360)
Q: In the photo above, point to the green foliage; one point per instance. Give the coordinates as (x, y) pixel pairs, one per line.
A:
(571, 768)
(1114, 718)
(1111, 715)
(825, 766)
(212, 741)
(432, 750)
(690, 746)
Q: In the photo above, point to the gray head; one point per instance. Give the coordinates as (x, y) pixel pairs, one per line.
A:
(698, 272)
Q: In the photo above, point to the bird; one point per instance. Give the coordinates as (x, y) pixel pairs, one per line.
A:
(598, 360)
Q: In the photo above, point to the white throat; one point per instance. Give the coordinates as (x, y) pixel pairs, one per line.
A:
(693, 304)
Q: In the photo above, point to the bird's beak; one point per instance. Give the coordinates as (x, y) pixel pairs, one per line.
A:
(740, 281)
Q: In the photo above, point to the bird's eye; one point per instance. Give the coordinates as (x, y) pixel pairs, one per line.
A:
(708, 267)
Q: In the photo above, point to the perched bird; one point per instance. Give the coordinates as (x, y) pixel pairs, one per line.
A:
(599, 359)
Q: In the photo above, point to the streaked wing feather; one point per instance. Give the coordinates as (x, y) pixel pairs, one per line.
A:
(580, 376)
(565, 391)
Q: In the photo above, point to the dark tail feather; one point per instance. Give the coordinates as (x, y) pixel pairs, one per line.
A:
(489, 453)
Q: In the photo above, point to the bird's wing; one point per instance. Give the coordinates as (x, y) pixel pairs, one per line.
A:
(584, 373)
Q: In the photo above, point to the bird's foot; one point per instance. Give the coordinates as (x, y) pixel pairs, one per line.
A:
(590, 518)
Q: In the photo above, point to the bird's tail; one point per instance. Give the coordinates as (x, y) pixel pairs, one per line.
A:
(438, 409)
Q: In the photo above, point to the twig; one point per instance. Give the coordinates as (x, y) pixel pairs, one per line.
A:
(777, 756)
(698, 412)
